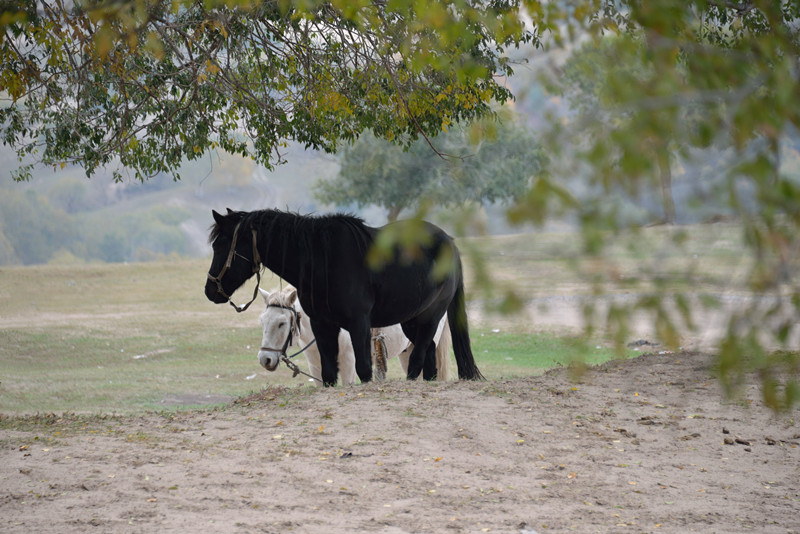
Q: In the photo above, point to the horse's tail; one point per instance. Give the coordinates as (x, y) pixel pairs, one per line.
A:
(459, 330)
(443, 352)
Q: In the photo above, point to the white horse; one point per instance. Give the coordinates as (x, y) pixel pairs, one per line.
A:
(284, 324)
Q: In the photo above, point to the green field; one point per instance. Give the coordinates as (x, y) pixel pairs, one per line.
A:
(122, 338)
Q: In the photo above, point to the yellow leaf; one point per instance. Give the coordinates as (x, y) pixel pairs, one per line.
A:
(321, 428)
(154, 45)
(104, 41)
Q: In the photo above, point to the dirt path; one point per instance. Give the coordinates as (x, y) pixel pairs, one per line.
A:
(638, 446)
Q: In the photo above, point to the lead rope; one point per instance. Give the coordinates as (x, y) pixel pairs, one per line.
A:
(293, 366)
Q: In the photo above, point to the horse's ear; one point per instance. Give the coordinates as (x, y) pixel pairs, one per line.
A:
(264, 294)
(291, 296)
(217, 217)
(230, 211)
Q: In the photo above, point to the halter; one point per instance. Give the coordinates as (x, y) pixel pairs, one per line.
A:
(294, 326)
(256, 269)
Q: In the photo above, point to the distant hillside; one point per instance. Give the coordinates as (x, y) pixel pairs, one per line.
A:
(64, 216)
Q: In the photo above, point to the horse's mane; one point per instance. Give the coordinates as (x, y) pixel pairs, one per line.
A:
(314, 221)
(310, 232)
(280, 298)
(213, 233)
(272, 219)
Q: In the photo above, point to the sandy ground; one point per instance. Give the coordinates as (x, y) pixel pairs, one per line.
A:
(645, 445)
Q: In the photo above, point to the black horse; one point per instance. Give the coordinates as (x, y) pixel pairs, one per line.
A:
(325, 258)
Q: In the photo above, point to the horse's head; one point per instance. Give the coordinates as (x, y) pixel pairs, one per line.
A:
(280, 322)
(235, 256)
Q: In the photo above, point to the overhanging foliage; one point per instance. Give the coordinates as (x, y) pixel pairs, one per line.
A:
(144, 85)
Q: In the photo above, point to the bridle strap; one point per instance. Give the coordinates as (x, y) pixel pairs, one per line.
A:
(288, 359)
(256, 269)
(228, 262)
(293, 310)
(282, 350)
(294, 326)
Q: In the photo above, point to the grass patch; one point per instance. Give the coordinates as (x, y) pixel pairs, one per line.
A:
(508, 355)
(57, 370)
(101, 339)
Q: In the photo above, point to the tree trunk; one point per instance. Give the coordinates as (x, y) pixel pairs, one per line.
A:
(665, 177)
(394, 213)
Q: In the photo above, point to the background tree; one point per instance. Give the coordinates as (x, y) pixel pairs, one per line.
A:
(70, 195)
(599, 80)
(483, 167)
(32, 227)
(733, 68)
(147, 84)
(376, 172)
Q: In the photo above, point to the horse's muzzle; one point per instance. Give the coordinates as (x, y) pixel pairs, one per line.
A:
(268, 359)
(213, 294)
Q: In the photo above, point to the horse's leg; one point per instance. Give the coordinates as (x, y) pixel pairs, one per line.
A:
(429, 365)
(314, 365)
(421, 334)
(347, 361)
(404, 357)
(442, 340)
(327, 337)
(361, 338)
